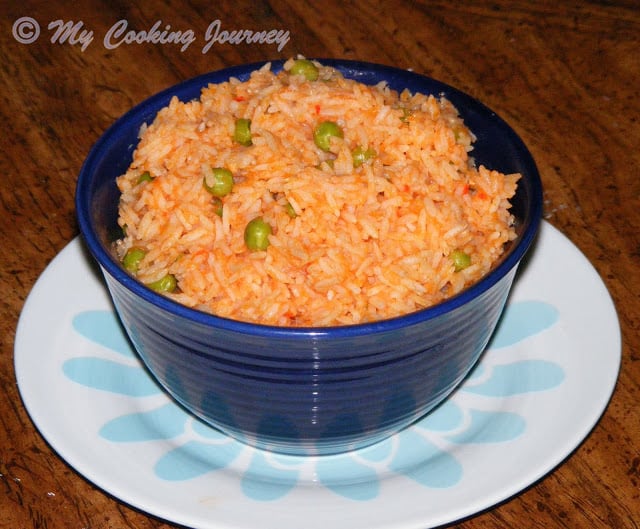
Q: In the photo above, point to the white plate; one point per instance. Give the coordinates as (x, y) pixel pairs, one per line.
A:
(539, 389)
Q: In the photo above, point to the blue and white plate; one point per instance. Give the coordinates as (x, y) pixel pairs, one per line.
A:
(538, 390)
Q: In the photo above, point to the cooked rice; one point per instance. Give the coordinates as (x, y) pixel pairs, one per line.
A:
(365, 243)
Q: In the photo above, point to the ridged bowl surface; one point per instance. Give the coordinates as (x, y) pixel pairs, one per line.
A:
(308, 390)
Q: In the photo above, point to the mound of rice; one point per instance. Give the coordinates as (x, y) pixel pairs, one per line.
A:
(348, 244)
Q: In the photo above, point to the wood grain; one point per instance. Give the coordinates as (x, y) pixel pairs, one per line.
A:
(565, 75)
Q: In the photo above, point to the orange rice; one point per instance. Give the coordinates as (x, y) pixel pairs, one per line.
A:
(348, 245)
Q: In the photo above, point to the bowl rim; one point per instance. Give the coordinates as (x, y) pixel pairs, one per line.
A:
(351, 69)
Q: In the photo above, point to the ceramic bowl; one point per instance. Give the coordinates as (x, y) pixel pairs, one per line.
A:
(308, 391)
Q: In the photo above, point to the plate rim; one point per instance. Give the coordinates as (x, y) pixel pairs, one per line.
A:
(482, 503)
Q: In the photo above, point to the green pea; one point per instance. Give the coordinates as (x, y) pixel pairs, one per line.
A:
(167, 283)
(217, 205)
(256, 234)
(145, 177)
(461, 260)
(242, 132)
(406, 115)
(324, 132)
(218, 181)
(290, 211)
(360, 156)
(131, 260)
(305, 67)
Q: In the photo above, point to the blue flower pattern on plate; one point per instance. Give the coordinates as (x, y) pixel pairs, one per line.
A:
(415, 453)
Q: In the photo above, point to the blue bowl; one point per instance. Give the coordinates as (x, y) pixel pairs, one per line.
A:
(308, 391)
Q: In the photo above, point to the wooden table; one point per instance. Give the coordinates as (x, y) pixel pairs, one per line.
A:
(565, 75)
